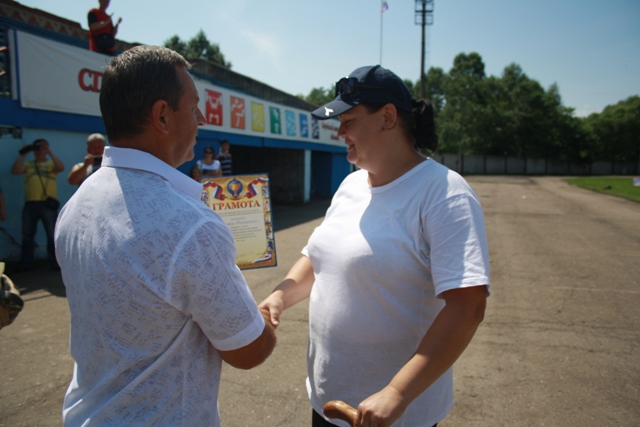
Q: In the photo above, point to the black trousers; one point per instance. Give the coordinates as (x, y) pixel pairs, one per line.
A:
(318, 420)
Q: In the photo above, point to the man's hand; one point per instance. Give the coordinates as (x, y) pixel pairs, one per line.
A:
(88, 160)
(254, 353)
(58, 166)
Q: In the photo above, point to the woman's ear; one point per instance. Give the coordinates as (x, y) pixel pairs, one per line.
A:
(160, 118)
(389, 117)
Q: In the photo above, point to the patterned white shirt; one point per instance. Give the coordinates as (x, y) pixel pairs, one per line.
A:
(153, 290)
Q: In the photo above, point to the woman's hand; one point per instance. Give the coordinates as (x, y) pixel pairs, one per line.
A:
(381, 409)
(293, 289)
(274, 305)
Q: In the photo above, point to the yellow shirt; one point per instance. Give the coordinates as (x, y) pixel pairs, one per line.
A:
(33, 188)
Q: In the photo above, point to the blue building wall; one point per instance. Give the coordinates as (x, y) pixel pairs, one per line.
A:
(284, 160)
(328, 171)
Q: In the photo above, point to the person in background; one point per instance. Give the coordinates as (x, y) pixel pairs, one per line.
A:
(398, 271)
(224, 157)
(157, 301)
(92, 161)
(102, 32)
(209, 166)
(39, 186)
(194, 173)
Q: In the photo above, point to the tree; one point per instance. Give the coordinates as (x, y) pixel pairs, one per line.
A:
(514, 115)
(616, 131)
(464, 101)
(508, 115)
(319, 95)
(198, 47)
(434, 83)
(174, 43)
(470, 65)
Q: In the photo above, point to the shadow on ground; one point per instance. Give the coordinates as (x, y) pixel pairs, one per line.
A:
(289, 216)
(42, 278)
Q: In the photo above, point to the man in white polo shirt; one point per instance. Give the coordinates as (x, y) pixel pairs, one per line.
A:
(157, 302)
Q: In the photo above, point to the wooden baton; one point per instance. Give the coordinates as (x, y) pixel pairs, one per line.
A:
(340, 410)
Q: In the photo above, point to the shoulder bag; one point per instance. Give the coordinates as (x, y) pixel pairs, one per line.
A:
(50, 202)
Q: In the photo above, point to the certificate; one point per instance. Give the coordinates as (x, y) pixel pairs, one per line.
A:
(244, 204)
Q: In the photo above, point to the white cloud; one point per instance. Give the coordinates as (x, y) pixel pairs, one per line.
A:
(265, 47)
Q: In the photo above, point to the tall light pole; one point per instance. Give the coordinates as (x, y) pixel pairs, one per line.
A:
(424, 17)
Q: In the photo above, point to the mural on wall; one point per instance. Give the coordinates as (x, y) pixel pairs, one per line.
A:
(257, 117)
(213, 107)
(237, 113)
(290, 122)
(274, 119)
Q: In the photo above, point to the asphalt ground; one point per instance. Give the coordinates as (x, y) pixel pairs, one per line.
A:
(559, 346)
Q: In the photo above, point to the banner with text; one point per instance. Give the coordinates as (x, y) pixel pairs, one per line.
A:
(54, 76)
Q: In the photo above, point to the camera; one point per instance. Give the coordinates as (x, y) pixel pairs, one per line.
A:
(32, 147)
(97, 161)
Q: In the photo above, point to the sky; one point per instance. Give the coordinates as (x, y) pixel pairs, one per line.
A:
(589, 48)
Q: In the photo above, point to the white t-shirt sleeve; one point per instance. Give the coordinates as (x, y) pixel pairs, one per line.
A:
(207, 285)
(456, 234)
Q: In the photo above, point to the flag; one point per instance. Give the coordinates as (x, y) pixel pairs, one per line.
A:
(384, 7)
(251, 189)
(217, 190)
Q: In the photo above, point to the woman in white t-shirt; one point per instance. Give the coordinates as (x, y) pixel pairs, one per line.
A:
(209, 166)
(398, 271)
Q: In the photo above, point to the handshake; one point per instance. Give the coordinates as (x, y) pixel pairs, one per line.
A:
(33, 147)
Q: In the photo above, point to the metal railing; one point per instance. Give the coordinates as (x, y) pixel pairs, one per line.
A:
(510, 165)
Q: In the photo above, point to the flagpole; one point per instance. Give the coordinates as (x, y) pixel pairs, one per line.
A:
(381, 13)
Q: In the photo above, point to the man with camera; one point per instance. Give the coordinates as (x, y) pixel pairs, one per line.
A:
(40, 198)
(92, 161)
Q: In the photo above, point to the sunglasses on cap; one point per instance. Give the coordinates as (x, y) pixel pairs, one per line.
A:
(349, 86)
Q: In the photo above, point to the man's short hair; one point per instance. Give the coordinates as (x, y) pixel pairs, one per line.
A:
(95, 137)
(133, 82)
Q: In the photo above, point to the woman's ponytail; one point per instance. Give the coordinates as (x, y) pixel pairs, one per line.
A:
(424, 131)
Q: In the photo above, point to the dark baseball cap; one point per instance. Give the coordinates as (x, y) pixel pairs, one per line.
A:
(370, 84)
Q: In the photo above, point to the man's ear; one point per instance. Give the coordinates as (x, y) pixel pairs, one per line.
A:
(160, 118)
(389, 117)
